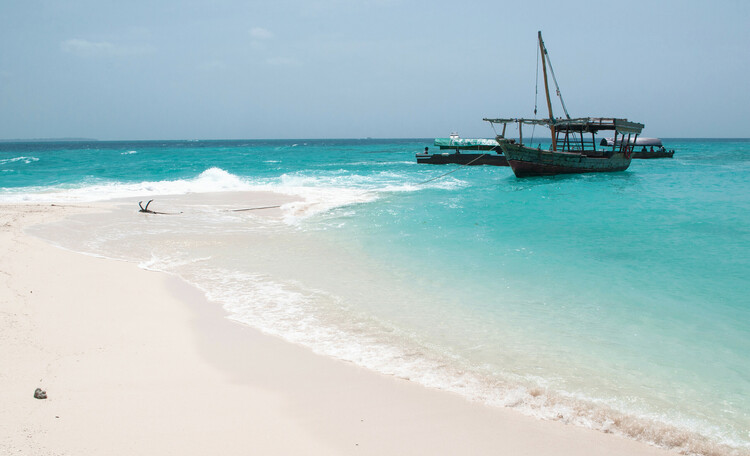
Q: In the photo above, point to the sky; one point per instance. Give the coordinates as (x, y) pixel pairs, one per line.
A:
(231, 69)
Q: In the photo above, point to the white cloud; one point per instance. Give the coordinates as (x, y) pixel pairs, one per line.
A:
(85, 48)
(260, 33)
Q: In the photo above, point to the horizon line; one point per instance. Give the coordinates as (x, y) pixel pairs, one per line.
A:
(75, 139)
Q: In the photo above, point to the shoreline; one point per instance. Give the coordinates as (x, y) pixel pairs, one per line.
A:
(136, 361)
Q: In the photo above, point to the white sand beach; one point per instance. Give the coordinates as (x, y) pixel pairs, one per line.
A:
(136, 362)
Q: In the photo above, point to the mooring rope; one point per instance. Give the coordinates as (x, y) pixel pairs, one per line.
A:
(452, 171)
(252, 208)
(149, 211)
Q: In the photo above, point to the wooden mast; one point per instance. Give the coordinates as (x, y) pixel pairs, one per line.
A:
(546, 90)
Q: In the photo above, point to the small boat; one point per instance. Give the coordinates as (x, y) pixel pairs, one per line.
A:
(483, 152)
(572, 150)
(655, 148)
(459, 158)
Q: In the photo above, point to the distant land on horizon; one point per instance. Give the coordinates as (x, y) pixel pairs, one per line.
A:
(48, 139)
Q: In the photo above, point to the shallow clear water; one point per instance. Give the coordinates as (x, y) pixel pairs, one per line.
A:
(607, 300)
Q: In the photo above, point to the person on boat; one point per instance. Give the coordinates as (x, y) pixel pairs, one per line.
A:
(458, 152)
(644, 149)
(425, 150)
(652, 149)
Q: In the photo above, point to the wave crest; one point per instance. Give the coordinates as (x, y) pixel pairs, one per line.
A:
(25, 160)
(319, 193)
(209, 181)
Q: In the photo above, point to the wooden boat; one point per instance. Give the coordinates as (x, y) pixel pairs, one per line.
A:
(572, 151)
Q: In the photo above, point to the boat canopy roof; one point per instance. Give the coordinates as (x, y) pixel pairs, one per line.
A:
(581, 124)
(640, 141)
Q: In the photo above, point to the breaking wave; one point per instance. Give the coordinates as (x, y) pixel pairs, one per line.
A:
(318, 193)
(25, 160)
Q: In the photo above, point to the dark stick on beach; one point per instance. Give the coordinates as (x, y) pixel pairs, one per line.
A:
(67, 205)
(146, 210)
(140, 204)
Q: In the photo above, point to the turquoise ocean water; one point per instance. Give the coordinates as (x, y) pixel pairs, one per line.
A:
(614, 301)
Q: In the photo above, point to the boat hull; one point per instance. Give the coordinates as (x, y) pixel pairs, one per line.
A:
(644, 155)
(526, 162)
(463, 159)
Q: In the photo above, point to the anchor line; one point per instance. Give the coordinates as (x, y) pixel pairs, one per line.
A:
(452, 171)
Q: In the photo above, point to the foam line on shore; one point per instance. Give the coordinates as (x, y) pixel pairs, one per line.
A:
(319, 193)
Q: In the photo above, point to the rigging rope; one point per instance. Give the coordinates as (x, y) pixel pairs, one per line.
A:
(536, 84)
(452, 171)
(536, 96)
(559, 94)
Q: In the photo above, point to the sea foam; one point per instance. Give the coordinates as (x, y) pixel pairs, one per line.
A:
(318, 194)
(25, 160)
(210, 180)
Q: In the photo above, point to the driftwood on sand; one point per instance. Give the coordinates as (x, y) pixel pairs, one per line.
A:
(140, 204)
(146, 210)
